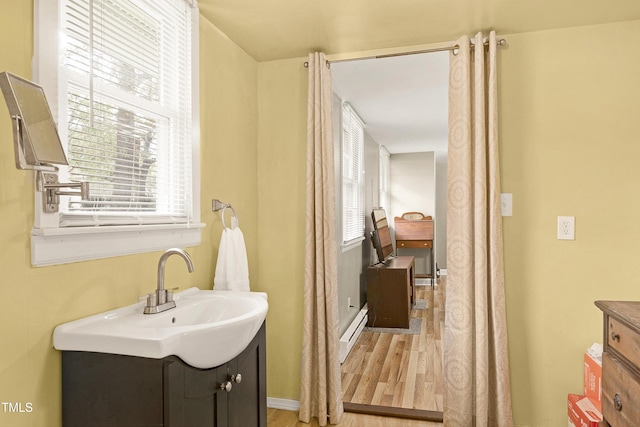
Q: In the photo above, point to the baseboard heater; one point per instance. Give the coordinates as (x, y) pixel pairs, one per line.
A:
(352, 333)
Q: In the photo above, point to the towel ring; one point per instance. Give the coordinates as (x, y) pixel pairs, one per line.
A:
(234, 216)
(217, 205)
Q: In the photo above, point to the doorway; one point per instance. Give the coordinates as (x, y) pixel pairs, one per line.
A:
(403, 104)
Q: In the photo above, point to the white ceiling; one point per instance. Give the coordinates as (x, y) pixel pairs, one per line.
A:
(402, 100)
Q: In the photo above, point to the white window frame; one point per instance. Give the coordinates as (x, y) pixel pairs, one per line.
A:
(52, 244)
(385, 179)
(352, 128)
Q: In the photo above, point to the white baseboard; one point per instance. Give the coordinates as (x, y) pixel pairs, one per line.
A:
(352, 333)
(285, 404)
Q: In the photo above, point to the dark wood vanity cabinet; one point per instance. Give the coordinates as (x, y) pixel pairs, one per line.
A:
(100, 390)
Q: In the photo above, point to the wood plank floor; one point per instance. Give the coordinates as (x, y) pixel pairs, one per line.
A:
(400, 370)
(282, 418)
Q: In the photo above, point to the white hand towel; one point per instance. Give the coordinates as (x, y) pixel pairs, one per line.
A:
(232, 269)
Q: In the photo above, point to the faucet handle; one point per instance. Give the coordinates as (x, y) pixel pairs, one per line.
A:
(170, 293)
(152, 299)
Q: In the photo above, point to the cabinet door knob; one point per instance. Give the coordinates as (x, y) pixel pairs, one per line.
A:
(237, 378)
(226, 386)
(617, 402)
(615, 336)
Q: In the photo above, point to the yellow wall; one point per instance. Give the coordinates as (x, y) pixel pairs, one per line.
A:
(282, 167)
(569, 128)
(34, 300)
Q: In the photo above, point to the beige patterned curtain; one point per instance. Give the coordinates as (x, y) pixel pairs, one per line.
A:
(320, 391)
(476, 365)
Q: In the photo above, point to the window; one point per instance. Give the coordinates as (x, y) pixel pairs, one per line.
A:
(352, 176)
(385, 184)
(123, 84)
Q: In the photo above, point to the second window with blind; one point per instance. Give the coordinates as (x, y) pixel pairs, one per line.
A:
(352, 176)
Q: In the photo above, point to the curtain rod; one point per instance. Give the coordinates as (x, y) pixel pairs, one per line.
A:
(499, 42)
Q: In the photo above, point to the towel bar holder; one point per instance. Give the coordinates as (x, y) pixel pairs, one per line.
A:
(217, 205)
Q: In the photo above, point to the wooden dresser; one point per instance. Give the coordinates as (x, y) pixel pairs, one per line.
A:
(391, 293)
(621, 363)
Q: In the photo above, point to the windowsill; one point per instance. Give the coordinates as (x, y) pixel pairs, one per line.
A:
(52, 246)
(351, 244)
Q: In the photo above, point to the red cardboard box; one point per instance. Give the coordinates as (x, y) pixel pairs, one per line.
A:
(582, 411)
(593, 378)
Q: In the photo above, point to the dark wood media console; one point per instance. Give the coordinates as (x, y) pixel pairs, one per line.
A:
(391, 292)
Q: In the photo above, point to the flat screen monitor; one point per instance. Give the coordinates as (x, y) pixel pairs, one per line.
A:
(381, 235)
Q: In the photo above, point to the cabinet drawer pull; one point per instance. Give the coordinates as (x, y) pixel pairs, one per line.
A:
(237, 378)
(617, 402)
(226, 386)
(615, 336)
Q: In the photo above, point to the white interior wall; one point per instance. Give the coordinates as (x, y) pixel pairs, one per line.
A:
(441, 210)
(413, 189)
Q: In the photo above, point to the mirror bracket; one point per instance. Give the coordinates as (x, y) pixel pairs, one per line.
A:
(47, 183)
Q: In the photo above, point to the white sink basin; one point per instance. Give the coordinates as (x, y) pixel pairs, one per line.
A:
(205, 329)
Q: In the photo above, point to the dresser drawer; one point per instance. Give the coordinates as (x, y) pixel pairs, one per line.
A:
(414, 244)
(620, 391)
(624, 340)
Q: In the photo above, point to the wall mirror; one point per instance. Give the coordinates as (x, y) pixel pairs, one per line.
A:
(36, 139)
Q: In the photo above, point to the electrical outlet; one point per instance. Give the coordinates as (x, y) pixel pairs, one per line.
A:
(566, 228)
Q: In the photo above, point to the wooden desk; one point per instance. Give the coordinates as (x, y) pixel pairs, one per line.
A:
(391, 293)
(416, 234)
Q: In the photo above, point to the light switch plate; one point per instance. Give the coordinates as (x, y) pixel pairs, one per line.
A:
(566, 228)
(506, 204)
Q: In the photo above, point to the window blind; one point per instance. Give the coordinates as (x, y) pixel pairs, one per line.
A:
(127, 73)
(384, 184)
(352, 175)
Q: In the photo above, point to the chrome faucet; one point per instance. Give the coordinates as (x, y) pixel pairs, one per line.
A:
(162, 299)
